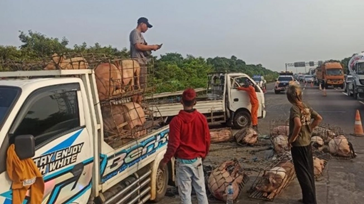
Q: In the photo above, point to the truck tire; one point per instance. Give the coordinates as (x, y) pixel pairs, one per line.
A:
(242, 119)
(161, 184)
(276, 92)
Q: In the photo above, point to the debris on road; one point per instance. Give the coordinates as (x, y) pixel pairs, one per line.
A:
(340, 146)
(221, 135)
(271, 181)
(280, 143)
(319, 165)
(246, 136)
(220, 178)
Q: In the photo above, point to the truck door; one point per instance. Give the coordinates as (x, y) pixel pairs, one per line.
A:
(240, 99)
(55, 117)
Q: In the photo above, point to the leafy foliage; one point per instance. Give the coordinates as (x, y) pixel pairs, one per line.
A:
(172, 71)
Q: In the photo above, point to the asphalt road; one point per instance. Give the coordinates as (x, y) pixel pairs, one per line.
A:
(343, 180)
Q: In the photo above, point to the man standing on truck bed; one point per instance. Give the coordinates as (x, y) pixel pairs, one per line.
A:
(139, 49)
(254, 102)
(189, 143)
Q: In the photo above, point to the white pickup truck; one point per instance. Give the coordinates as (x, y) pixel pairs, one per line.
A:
(222, 103)
(57, 115)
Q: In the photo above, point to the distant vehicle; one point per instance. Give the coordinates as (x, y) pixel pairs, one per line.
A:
(348, 79)
(356, 68)
(261, 82)
(283, 81)
(308, 79)
(332, 73)
(301, 78)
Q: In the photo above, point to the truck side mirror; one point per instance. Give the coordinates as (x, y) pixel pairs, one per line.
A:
(24, 146)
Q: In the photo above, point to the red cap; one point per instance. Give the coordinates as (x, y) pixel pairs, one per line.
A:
(189, 94)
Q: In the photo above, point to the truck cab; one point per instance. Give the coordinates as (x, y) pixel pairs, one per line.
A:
(355, 86)
(55, 119)
(333, 74)
(220, 102)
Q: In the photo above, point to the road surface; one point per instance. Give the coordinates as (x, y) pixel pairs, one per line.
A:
(343, 180)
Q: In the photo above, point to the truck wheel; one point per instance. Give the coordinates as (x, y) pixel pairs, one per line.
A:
(242, 119)
(276, 92)
(161, 184)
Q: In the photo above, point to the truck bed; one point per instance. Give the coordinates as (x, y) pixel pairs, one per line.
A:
(169, 94)
(172, 109)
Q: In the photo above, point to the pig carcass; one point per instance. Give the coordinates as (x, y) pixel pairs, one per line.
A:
(113, 118)
(280, 130)
(220, 178)
(340, 146)
(129, 69)
(221, 135)
(274, 179)
(111, 79)
(280, 143)
(319, 165)
(134, 115)
(246, 136)
(325, 133)
(63, 63)
(108, 80)
(317, 143)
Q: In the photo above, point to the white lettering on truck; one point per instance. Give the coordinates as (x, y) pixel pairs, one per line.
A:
(56, 160)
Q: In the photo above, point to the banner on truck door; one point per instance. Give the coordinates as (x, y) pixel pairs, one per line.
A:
(117, 163)
(56, 160)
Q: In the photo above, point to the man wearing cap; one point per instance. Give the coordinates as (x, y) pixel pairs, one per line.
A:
(189, 143)
(139, 49)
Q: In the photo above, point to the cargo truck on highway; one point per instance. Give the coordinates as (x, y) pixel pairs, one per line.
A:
(221, 102)
(55, 118)
(355, 87)
(332, 73)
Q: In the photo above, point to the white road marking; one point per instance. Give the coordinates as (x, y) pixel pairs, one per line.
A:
(344, 93)
(361, 102)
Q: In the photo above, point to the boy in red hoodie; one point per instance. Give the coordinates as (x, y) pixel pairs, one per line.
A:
(189, 143)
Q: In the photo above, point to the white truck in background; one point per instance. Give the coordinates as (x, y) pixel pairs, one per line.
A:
(221, 103)
(77, 165)
(355, 87)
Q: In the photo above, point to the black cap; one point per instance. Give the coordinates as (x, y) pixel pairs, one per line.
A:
(144, 20)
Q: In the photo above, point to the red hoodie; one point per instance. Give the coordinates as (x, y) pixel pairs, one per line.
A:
(189, 136)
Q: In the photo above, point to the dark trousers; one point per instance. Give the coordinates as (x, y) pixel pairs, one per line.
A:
(303, 164)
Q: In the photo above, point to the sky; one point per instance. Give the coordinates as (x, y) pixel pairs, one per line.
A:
(267, 32)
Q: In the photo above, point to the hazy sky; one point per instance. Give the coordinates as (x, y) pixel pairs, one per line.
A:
(270, 32)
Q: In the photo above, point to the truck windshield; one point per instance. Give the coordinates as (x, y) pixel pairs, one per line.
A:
(257, 78)
(8, 96)
(334, 72)
(360, 68)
